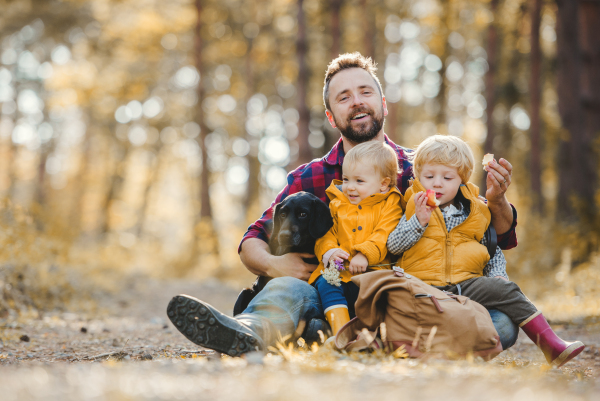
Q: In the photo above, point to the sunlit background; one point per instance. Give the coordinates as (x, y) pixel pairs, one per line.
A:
(144, 136)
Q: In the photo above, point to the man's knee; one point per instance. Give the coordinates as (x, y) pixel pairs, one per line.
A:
(287, 291)
(291, 285)
(507, 330)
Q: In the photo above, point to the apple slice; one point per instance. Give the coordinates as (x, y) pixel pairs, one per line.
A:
(487, 159)
(431, 199)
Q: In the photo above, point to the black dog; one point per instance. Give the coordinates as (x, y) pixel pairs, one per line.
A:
(298, 221)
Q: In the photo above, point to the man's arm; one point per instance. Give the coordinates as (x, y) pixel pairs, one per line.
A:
(257, 258)
(254, 249)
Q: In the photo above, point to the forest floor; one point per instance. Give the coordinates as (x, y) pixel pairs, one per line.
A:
(128, 350)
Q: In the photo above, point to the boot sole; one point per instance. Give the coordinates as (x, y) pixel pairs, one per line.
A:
(569, 353)
(203, 325)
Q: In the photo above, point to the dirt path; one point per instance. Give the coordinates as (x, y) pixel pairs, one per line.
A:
(130, 351)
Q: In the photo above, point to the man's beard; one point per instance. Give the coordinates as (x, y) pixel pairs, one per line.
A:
(364, 132)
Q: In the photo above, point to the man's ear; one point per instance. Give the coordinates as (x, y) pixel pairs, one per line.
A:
(385, 110)
(385, 184)
(330, 118)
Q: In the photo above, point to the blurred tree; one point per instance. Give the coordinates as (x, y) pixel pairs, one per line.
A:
(535, 95)
(490, 80)
(336, 32)
(305, 152)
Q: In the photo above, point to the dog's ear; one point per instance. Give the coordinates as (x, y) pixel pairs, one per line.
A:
(320, 219)
(275, 225)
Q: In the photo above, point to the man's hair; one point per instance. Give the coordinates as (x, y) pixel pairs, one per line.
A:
(446, 150)
(347, 61)
(378, 154)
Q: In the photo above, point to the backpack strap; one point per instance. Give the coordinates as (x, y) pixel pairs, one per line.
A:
(492, 240)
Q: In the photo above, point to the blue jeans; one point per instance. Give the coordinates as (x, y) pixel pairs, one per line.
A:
(288, 301)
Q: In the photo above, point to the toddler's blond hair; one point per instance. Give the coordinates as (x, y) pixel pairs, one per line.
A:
(446, 150)
(380, 155)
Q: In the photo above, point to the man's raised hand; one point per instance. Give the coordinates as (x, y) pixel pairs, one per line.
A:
(498, 180)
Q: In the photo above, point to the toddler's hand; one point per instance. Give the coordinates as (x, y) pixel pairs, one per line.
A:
(358, 264)
(422, 211)
(339, 256)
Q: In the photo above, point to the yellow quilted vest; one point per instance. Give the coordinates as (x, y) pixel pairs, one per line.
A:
(441, 257)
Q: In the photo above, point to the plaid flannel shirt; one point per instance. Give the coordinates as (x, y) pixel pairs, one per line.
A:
(407, 233)
(315, 177)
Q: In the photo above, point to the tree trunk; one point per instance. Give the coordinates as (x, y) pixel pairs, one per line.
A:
(205, 208)
(369, 32)
(253, 187)
(305, 153)
(589, 39)
(336, 31)
(116, 182)
(490, 87)
(535, 93)
(567, 77)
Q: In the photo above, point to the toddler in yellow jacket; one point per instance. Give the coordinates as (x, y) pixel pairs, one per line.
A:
(365, 209)
(443, 245)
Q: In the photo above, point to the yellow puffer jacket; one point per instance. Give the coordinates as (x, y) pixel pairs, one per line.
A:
(359, 228)
(442, 258)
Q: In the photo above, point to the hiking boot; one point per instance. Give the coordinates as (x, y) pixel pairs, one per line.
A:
(557, 351)
(311, 334)
(204, 325)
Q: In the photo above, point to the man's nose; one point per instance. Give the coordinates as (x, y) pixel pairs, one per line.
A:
(357, 99)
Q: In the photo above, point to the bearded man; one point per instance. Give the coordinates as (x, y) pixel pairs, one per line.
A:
(288, 305)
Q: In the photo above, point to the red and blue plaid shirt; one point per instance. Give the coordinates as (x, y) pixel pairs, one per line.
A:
(316, 176)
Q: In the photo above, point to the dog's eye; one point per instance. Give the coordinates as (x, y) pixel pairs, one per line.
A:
(303, 214)
(283, 214)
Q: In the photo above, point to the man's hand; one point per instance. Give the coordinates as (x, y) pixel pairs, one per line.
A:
(358, 264)
(291, 265)
(257, 258)
(422, 211)
(498, 180)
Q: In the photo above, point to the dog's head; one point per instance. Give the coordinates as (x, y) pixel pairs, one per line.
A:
(298, 221)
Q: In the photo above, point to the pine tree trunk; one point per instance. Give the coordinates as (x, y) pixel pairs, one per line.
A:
(336, 31)
(490, 87)
(535, 93)
(305, 153)
(368, 28)
(568, 74)
(589, 39)
(205, 208)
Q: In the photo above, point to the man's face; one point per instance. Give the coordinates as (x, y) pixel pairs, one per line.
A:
(357, 108)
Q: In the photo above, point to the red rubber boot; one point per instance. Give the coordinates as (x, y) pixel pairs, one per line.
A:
(556, 351)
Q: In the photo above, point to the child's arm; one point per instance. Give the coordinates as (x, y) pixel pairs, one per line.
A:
(496, 267)
(374, 247)
(407, 233)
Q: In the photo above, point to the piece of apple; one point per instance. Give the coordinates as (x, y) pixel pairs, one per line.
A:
(431, 199)
(487, 159)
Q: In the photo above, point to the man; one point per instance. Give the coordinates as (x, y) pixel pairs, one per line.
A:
(355, 105)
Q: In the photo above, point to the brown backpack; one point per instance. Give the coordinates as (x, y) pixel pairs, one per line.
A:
(418, 317)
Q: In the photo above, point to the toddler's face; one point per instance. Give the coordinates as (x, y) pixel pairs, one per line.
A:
(361, 181)
(444, 180)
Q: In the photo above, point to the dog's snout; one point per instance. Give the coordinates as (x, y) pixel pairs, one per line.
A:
(284, 236)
